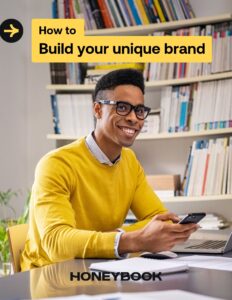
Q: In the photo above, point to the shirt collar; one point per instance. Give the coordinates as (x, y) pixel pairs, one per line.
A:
(97, 152)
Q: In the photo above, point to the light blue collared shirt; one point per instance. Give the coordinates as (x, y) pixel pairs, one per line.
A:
(97, 152)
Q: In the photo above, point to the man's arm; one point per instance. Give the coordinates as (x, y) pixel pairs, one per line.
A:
(156, 236)
(54, 217)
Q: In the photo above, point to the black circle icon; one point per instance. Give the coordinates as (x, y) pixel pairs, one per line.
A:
(11, 30)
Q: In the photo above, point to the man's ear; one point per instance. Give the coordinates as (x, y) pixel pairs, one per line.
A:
(97, 108)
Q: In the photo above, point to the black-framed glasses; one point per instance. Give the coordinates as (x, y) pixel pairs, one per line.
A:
(124, 108)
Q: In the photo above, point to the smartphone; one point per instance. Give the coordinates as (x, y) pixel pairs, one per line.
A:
(192, 218)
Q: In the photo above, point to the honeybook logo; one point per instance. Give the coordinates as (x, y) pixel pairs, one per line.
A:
(11, 30)
(107, 276)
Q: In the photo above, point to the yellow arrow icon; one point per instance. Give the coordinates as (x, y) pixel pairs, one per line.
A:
(12, 30)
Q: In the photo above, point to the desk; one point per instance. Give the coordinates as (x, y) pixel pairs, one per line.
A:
(53, 281)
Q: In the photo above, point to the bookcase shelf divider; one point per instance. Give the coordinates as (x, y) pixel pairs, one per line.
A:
(150, 85)
(146, 29)
(142, 137)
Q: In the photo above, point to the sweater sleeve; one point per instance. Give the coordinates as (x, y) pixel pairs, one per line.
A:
(145, 204)
(55, 217)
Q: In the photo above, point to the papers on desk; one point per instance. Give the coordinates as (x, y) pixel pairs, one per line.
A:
(207, 262)
(139, 264)
(163, 295)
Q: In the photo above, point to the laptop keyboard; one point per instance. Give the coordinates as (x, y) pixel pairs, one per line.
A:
(208, 245)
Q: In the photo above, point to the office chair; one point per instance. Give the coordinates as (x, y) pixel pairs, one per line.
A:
(17, 237)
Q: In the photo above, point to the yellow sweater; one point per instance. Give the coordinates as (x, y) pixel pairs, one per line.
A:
(77, 202)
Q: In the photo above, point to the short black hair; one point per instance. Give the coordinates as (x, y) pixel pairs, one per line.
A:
(119, 77)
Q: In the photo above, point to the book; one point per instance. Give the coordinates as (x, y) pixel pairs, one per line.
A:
(96, 13)
(142, 12)
(105, 14)
(134, 12)
(164, 185)
(55, 114)
(140, 264)
(151, 123)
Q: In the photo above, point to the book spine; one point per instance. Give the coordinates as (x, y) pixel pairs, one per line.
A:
(152, 6)
(173, 9)
(120, 13)
(149, 11)
(54, 9)
(142, 12)
(55, 114)
(163, 8)
(66, 9)
(117, 15)
(185, 9)
(96, 13)
(113, 13)
(134, 12)
(159, 11)
(105, 14)
(87, 8)
(125, 12)
(61, 10)
(190, 10)
(71, 9)
(52, 73)
(170, 9)
(127, 6)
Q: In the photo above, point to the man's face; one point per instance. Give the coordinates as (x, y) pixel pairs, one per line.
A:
(121, 130)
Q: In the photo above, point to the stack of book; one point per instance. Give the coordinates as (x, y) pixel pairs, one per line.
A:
(70, 73)
(176, 108)
(164, 185)
(122, 13)
(211, 222)
(152, 122)
(185, 108)
(72, 114)
(222, 54)
(212, 105)
(97, 70)
(209, 168)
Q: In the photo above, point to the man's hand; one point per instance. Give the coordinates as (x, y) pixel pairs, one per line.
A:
(157, 235)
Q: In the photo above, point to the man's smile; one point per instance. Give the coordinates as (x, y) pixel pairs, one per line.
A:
(128, 130)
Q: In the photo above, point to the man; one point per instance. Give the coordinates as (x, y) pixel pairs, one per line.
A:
(82, 192)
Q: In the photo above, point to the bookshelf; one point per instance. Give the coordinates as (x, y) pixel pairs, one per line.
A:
(182, 199)
(146, 29)
(192, 203)
(143, 136)
(150, 85)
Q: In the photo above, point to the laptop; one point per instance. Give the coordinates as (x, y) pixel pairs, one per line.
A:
(213, 246)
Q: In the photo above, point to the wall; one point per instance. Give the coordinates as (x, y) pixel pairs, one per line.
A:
(25, 109)
(25, 116)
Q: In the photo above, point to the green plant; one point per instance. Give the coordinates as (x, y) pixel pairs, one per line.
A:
(4, 244)
(5, 198)
(24, 217)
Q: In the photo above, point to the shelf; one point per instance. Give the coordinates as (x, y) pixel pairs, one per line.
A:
(187, 134)
(146, 29)
(71, 87)
(150, 85)
(180, 199)
(160, 83)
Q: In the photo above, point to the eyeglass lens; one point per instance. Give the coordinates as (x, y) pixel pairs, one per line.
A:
(125, 108)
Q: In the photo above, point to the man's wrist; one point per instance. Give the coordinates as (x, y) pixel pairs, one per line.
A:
(129, 242)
